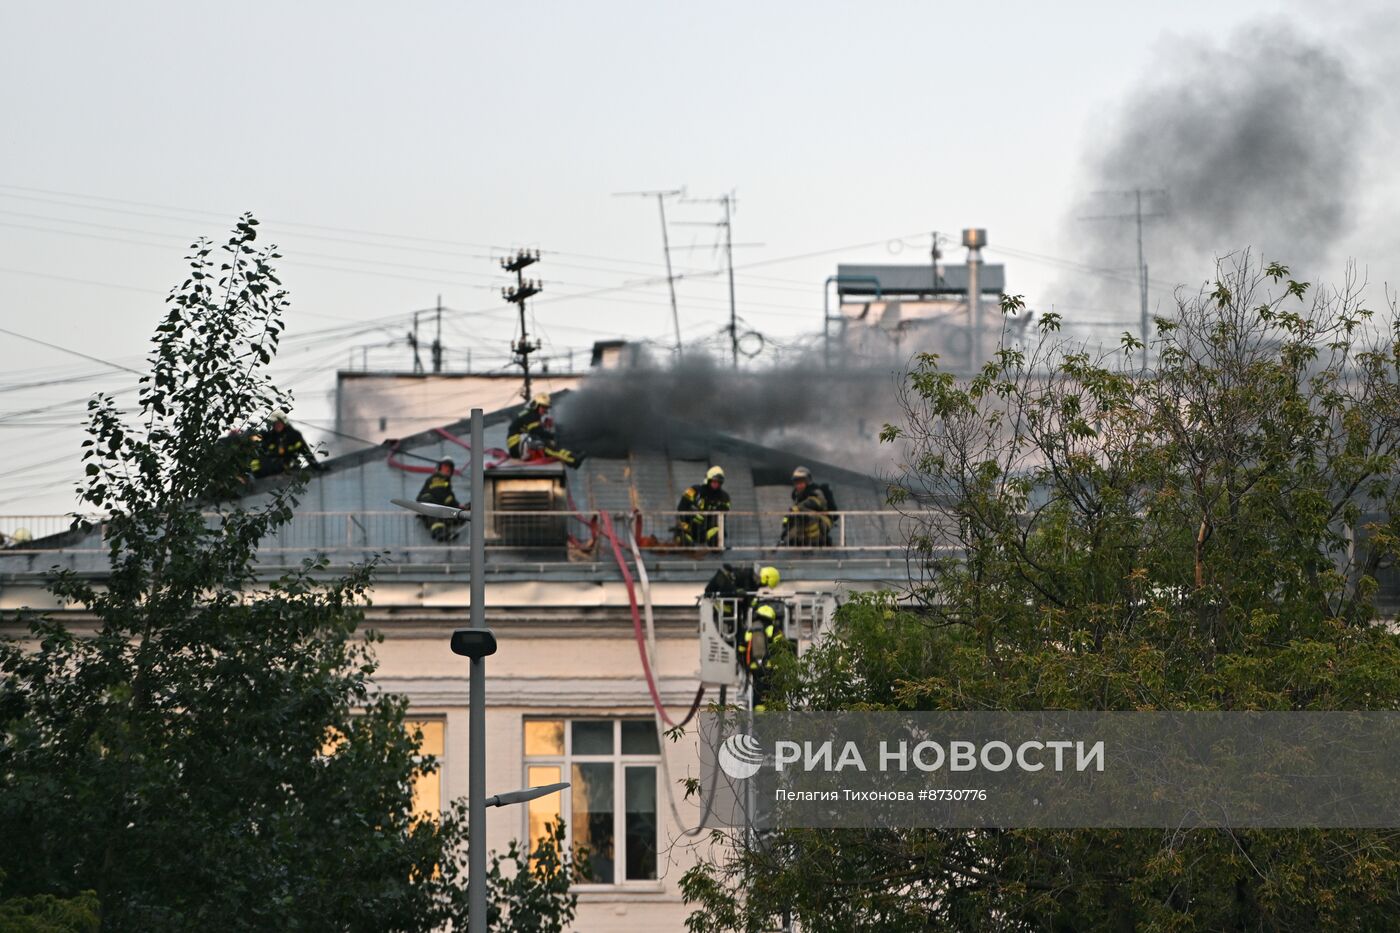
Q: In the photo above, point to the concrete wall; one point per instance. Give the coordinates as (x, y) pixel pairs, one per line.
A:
(556, 657)
(374, 406)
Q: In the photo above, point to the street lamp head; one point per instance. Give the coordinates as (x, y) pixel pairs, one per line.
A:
(521, 796)
(475, 643)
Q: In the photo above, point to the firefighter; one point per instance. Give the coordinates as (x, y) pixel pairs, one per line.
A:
(731, 582)
(437, 490)
(697, 523)
(531, 435)
(808, 523)
(734, 589)
(234, 453)
(763, 639)
(281, 449)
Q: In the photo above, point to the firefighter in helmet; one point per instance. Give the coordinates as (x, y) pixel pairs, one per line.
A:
(735, 588)
(808, 522)
(763, 639)
(437, 490)
(531, 435)
(281, 449)
(697, 523)
(730, 582)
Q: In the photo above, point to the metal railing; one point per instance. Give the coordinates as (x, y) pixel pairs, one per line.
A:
(411, 537)
(857, 530)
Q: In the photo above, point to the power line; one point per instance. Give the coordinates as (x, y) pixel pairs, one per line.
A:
(71, 352)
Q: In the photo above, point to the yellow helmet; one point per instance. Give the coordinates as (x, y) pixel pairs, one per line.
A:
(768, 577)
(765, 613)
(541, 400)
(714, 472)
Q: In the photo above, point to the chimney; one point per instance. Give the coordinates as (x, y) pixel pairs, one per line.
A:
(974, 239)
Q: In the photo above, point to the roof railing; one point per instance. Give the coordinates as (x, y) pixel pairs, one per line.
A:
(406, 535)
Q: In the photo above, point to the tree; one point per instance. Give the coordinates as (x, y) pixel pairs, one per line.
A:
(210, 750)
(45, 913)
(1203, 529)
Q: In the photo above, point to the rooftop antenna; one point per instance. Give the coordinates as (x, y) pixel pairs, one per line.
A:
(727, 201)
(1156, 207)
(517, 295)
(661, 197)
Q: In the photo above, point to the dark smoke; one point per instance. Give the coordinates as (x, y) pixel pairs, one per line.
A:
(829, 415)
(1257, 144)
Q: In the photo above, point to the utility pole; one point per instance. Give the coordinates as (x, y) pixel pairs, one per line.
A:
(1156, 208)
(661, 197)
(727, 201)
(437, 339)
(935, 254)
(413, 342)
(729, 261)
(517, 295)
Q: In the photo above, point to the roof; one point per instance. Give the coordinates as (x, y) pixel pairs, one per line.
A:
(346, 508)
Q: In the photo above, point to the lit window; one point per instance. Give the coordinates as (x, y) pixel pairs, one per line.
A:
(611, 807)
(427, 788)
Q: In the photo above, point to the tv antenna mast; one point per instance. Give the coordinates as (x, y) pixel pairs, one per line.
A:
(661, 197)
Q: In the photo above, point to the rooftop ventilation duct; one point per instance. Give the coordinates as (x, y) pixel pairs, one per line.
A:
(527, 506)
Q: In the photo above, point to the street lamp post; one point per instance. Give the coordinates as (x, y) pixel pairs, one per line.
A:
(476, 643)
(476, 728)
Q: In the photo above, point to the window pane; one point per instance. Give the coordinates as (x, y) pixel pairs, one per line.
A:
(593, 817)
(432, 730)
(641, 823)
(542, 810)
(593, 736)
(427, 794)
(639, 738)
(544, 737)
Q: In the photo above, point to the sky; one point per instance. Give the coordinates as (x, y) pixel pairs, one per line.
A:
(396, 152)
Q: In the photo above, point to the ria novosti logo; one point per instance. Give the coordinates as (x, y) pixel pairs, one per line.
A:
(740, 756)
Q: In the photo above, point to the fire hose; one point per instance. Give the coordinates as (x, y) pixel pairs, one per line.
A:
(498, 456)
(606, 523)
(659, 712)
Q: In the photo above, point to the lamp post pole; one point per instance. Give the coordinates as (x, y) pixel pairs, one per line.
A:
(477, 642)
(476, 782)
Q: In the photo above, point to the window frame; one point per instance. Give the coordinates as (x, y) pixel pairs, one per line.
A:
(620, 764)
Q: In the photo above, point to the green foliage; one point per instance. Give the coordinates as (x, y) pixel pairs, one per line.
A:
(207, 749)
(530, 893)
(44, 913)
(1203, 533)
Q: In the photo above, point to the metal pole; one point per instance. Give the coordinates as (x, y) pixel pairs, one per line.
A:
(437, 339)
(974, 301)
(476, 782)
(524, 337)
(670, 279)
(729, 256)
(1142, 269)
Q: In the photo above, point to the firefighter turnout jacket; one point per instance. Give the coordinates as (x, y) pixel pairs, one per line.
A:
(697, 523)
(529, 432)
(808, 523)
(281, 451)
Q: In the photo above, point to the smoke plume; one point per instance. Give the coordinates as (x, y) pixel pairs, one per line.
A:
(1256, 144)
(829, 415)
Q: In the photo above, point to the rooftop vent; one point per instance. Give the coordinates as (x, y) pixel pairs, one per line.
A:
(517, 501)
